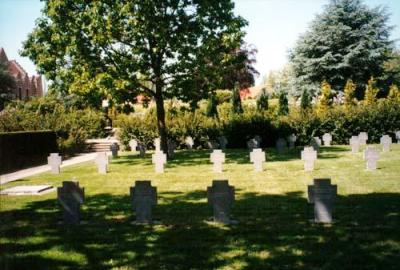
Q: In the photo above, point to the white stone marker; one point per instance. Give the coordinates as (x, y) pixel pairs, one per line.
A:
(371, 156)
(355, 144)
(159, 158)
(189, 142)
(363, 138)
(397, 134)
(292, 140)
(54, 160)
(133, 145)
(309, 155)
(386, 142)
(217, 157)
(102, 162)
(157, 144)
(257, 156)
(327, 138)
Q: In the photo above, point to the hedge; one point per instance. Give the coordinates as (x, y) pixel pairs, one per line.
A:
(377, 119)
(19, 150)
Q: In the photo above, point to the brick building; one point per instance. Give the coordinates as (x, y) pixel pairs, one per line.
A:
(26, 86)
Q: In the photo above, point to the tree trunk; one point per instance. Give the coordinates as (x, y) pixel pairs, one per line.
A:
(162, 129)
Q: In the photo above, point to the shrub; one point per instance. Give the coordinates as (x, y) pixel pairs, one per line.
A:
(262, 100)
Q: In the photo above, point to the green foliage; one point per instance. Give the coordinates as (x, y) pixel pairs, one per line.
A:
(349, 94)
(211, 110)
(262, 100)
(305, 101)
(236, 101)
(283, 107)
(371, 92)
(223, 96)
(394, 93)
(72, 126)
(7, 82)
(348, 40)
(325, 98)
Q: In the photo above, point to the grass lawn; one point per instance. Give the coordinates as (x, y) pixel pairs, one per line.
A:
(271, 207)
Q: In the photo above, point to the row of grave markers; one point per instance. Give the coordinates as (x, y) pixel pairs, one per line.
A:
(220, 196)
(257, 156)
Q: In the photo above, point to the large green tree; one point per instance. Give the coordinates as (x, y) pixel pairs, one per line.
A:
(162, 48)
(7, 82)
(347, 41)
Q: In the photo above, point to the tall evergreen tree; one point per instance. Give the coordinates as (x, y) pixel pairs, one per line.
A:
(371, 91)
(394, 93)
(349, 93)
(262, 100)
(325, 97)
(283, 106)
(7, 82)
(211, 109)
(347, 41)
(305, 101)
(236, 102)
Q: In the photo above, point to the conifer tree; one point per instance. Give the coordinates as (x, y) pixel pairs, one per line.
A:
(211, 109)
(394, 93)
(236, 102)
(371, 91)
(325, 98)
(283, 108)
(262, 100)
(305, 101)
(349, 93)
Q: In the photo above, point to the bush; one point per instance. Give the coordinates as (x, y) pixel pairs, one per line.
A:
(72, 126)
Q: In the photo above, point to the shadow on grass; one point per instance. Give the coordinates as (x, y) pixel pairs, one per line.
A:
(273, 233)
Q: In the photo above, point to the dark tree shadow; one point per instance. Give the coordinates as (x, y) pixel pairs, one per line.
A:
(273, 233)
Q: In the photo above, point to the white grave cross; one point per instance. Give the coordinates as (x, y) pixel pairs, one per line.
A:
(363, 137)
(386, 142)
(133, 145)
(257, 156)
(54, 160)
(102, 162)
(327, 138)
(189, 142)
(355, 144)
(309, 155)
(157, 144)
(397, 134)
(159, 158)
(371, 156)
(217, 158)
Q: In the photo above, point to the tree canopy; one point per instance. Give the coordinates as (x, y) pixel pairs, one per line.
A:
(162, 48)
(347, 41)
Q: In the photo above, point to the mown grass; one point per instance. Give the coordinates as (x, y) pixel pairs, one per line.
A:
(273, 230)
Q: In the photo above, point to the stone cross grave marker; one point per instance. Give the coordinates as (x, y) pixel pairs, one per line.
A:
(143, 197)
(315, 143)
(114, 147)
(322, 195)
(355, 144)
(189, 142)
(327, 138)
(223, 142)
(363, 137)
(386, 142)
(397, 134)
(71, 196)
(159, 159)
(54, 160)
(171, 148)
(101, 162)
(281, 145)
(142, 150)
(257, 156)
(291, 140)
(217, 157)
(308, 155)
(133, 144)
(157, 144)
(221, 196)
(371, 157)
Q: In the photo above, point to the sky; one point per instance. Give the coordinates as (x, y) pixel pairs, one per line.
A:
(274, 26)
